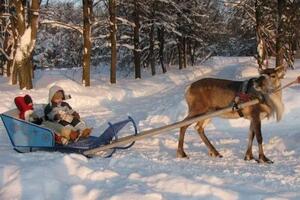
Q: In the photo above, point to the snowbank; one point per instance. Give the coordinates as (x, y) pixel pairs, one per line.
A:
(150, 169)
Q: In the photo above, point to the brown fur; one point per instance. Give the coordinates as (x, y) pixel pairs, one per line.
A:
(211, 94)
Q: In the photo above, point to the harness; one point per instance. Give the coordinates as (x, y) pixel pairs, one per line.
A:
(244, 94)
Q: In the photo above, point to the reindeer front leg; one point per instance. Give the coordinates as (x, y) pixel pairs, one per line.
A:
(256, 125)
(249, 154)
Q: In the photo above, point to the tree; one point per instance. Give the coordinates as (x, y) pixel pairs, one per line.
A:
(151, 37)
(161, 39)
(87, 15)
(280, 39)
(5, 44)
(261, 46)
(26, 39)
(113, 39)
(136, 39)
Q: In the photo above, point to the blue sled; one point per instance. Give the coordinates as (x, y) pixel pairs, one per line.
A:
(26, 136)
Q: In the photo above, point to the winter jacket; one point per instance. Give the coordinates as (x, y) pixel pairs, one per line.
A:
(24, 106)
(26, 111)
(52, 109)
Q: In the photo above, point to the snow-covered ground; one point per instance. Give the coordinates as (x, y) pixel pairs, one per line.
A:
(150, 169)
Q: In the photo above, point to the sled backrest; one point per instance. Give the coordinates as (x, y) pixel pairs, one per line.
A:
(25, 134)
(13, 113)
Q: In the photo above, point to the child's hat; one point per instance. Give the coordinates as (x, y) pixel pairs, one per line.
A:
(54, 89)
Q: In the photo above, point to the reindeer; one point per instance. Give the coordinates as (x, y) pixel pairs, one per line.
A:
(210, 94)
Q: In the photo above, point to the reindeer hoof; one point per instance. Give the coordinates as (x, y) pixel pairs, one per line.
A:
(215, 154)
(264, 159)
(248, 157)
(181, 154)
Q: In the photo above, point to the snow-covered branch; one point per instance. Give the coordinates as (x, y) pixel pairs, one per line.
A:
(63, 25)
(125, 21)
(100, 37)
(100, 22)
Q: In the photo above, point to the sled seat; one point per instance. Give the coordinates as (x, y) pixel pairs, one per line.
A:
(26, 136)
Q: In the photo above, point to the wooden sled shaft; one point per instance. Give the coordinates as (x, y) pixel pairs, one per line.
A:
(160, 130)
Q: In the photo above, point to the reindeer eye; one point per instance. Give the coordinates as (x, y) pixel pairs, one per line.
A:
(273, 76)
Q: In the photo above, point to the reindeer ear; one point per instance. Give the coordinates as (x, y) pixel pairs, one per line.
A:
(261, 71)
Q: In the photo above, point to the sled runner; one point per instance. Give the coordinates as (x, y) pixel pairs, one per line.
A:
(27, 137)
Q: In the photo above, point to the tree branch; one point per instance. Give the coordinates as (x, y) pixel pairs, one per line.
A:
(3, 52)
(63, 25)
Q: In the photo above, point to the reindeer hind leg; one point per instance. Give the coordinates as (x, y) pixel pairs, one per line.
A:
(180, 150)
(211, 149)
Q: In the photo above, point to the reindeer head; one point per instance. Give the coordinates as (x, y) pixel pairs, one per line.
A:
(269, 84)
(269, 80)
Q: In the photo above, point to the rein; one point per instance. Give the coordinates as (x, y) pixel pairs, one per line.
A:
(297, 81)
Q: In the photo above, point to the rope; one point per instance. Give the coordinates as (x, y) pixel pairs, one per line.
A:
(297, 81)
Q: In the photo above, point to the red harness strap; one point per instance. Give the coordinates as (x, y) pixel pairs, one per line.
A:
(243, 97)
(240, 98)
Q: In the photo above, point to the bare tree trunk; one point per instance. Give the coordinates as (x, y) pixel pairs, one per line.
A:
(11, 70)
(10, 40)
(10, 65)
(280, 34)
(3, 59)
(87, 13)
(20, 26)
(34, 16)
(21, 20)
(113, 40)
(191, 50)
(137, 56)
(161, 38)
(261, 47)
(180, 53)
(26, 44)
(171, 57)
(151, 50)
(184, 52)
(294, 24)
(151, 38)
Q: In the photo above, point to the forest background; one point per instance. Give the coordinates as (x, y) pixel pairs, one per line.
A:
(132, 35)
